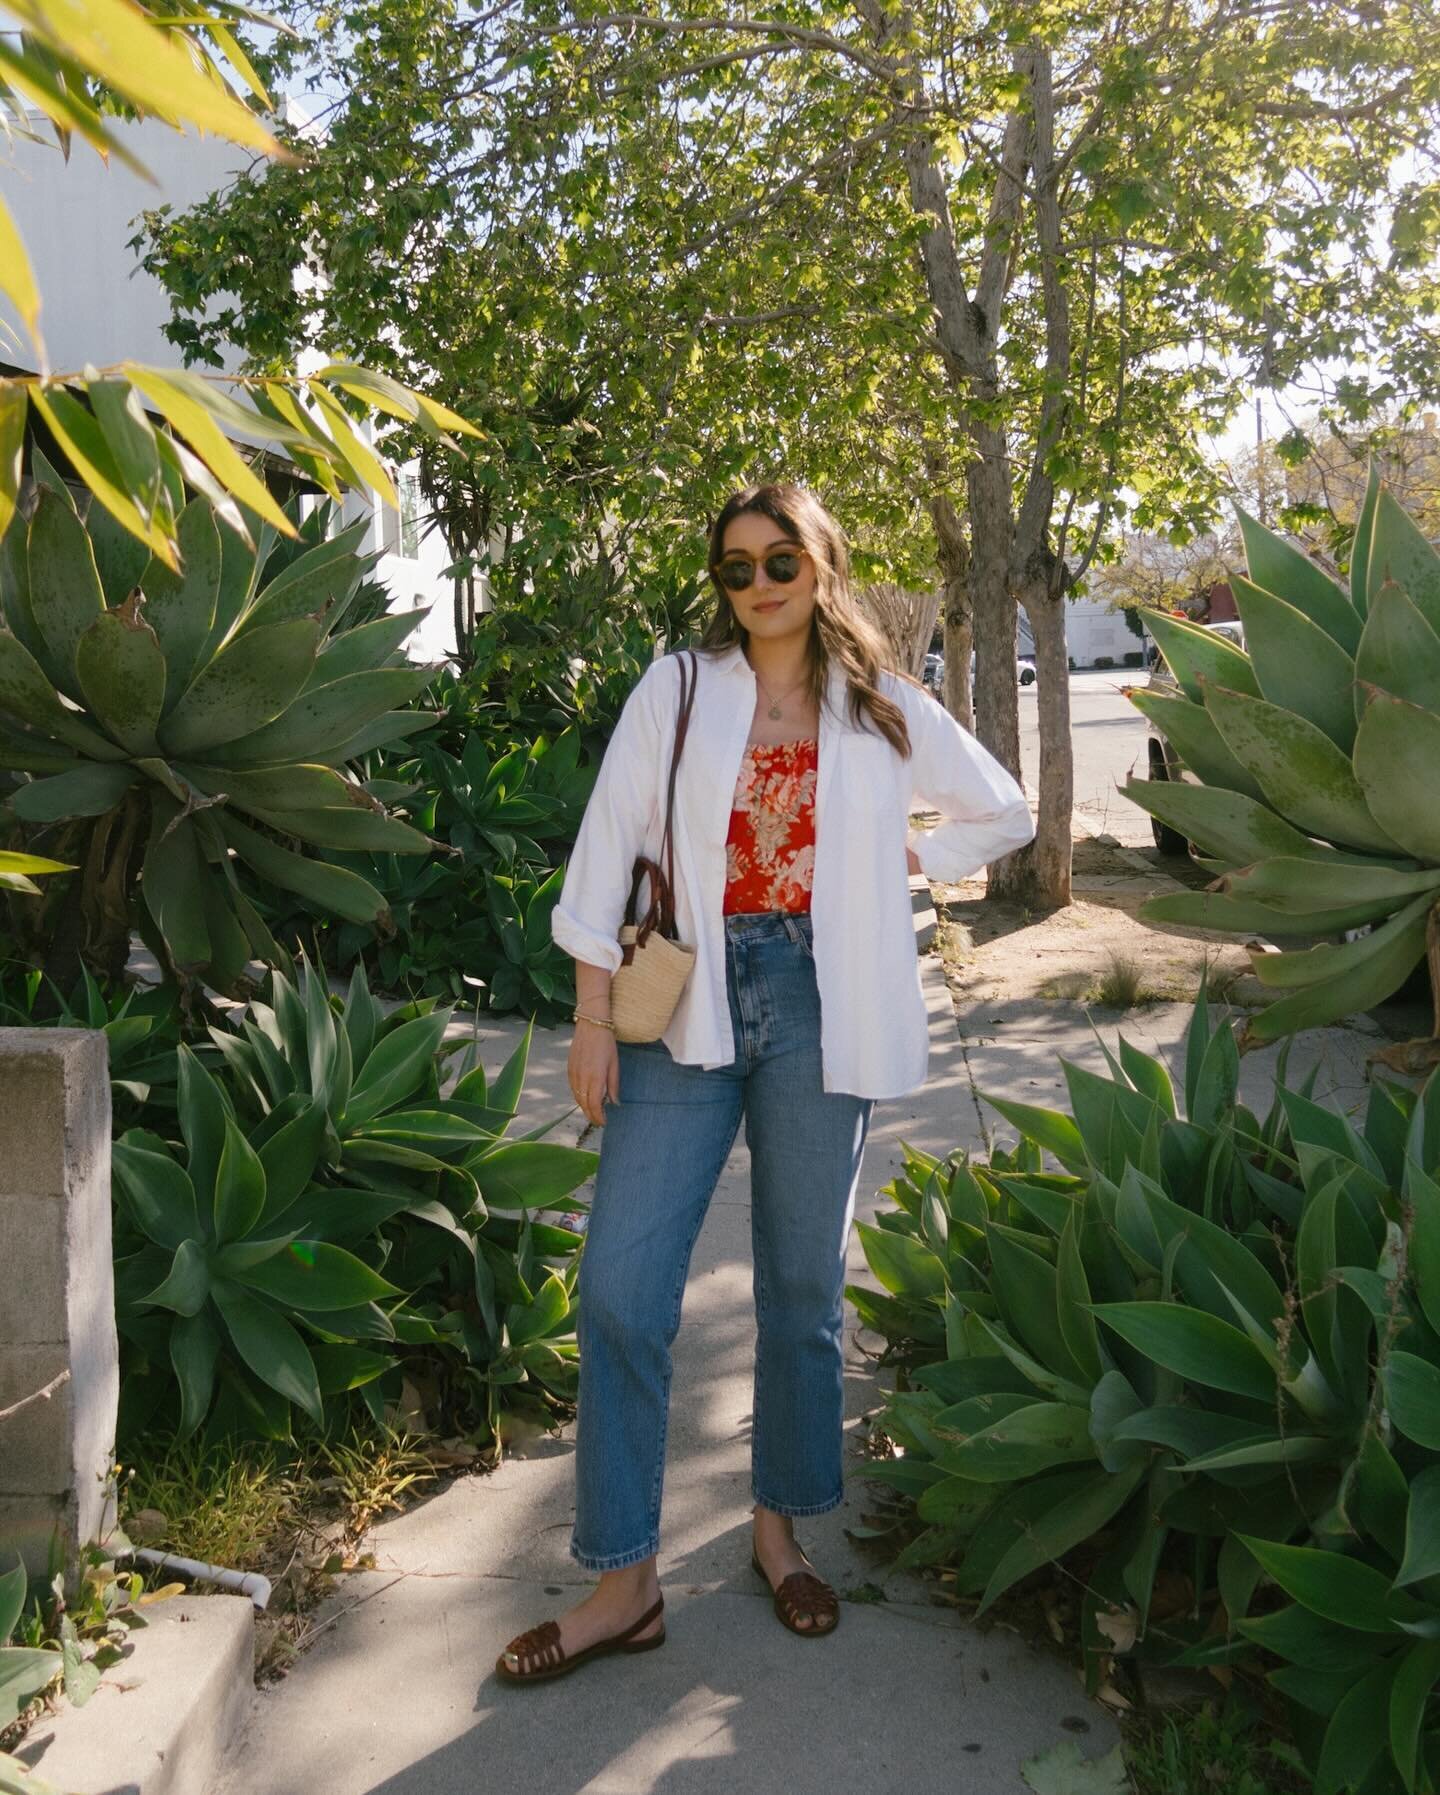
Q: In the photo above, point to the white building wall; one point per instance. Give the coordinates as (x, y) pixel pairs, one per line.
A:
(1093, 630)
(100, 307)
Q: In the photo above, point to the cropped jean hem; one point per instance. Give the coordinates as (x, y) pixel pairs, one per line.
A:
(797, 1511)
(614, 1561)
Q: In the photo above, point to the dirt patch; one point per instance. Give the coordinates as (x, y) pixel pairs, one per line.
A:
(1096, 951)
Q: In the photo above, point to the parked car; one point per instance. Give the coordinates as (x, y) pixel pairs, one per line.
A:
(933, 678)
(1165, 763)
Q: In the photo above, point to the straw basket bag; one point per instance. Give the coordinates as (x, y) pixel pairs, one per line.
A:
(654, 964)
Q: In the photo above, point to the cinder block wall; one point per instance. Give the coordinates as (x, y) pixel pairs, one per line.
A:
(57, 1295)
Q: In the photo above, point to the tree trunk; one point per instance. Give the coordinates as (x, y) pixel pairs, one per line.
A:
(997, 692)
(1043, 878)
(953, 555)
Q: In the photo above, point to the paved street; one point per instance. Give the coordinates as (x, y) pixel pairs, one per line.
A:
(1109, 737)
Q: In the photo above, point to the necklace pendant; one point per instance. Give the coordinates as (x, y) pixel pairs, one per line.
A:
(775, 713)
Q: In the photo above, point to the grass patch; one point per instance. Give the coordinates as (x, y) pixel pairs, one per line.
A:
(1121, 984)
(299, 1517)
(1221, 1748)
(233, 1508)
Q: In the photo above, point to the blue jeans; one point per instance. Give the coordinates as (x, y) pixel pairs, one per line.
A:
(663, 1148)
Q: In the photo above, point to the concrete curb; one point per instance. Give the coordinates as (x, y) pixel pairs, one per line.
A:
(164, 1719)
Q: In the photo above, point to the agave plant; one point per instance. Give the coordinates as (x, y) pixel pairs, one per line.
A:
(1316, 746)
(171, 724)
(1113, 1366)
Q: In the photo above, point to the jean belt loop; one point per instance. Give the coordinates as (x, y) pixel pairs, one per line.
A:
(792, 929)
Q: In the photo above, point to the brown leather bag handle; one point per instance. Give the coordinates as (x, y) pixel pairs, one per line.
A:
(660, 912)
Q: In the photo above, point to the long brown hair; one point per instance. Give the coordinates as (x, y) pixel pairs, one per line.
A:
(840, 630)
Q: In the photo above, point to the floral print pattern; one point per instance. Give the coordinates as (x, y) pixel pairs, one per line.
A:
(770, 849)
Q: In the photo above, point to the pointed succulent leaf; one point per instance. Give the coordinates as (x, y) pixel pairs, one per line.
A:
(1422, 1529)
(1399, 552)
(1193, 652)
(87, 790)
(27, 694)
(317, 1278)
(1361, 594)
(173, 876)
(1299, 666)
(194, 1348)
(1247, 916)
(320, 720)
(304, 591)
(1192, 733)
(270, 1347)
(203, 1113)
(1347, 982)
(65, 592)
(1397, 752)
(298, 787)
(250, 681)
(1300, 770)
(186, 1287)
(239, 1187)
(1281, 568)
(120, 556)
(1335, 962)
(391, 726)
(331, 887)
(1306, 885)
(1227, 825)
(180, 607)
(397, 1066)
(1412, 1389)
(1198, 1346)
(121, 670)
(1399, 652)
(158, 1191)
(364, 649)
(351, 829)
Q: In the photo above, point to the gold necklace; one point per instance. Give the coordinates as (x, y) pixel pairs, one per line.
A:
(775, 703)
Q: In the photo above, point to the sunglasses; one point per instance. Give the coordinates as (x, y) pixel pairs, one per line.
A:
(736, 573)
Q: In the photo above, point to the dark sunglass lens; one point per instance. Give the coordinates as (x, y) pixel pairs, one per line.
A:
(783, 568)
(735, 576)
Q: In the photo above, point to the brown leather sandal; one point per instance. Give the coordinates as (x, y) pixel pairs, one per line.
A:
(802, 1593)
(541, 1649)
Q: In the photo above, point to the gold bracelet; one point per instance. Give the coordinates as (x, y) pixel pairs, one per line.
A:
(599, 1021)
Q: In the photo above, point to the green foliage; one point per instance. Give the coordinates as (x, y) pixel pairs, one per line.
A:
(141, 1028)
(1209, 1342)
(67, 1638)
(318, 1218)
(25, 1671)
(1317, 746)
(172, 725)
(480, 914)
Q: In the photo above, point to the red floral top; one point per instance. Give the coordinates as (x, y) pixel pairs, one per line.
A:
(770, 850)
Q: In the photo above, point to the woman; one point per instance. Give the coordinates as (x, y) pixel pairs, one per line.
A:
(803, 1007)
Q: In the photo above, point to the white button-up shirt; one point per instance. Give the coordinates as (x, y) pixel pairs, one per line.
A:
(874, 1033)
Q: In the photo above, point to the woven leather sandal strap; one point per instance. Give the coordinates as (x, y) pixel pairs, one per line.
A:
(540, 1644)
(803, 1593)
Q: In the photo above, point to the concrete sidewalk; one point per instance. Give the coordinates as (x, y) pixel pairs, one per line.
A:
(906, 1699)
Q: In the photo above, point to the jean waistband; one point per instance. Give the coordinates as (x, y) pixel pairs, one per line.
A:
(768, 925)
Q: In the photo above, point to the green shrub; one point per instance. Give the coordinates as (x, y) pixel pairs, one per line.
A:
(1316, 745)
(482, 912)
(1207, 1341)
(319, 1220)
(168, 725)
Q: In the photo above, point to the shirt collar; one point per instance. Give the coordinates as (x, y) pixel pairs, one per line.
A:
(731, 661)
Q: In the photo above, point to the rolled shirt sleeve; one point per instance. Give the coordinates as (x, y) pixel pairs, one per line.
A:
(586, 920)
(983, 812)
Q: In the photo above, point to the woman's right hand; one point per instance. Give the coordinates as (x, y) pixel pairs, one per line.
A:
(594, 1070)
